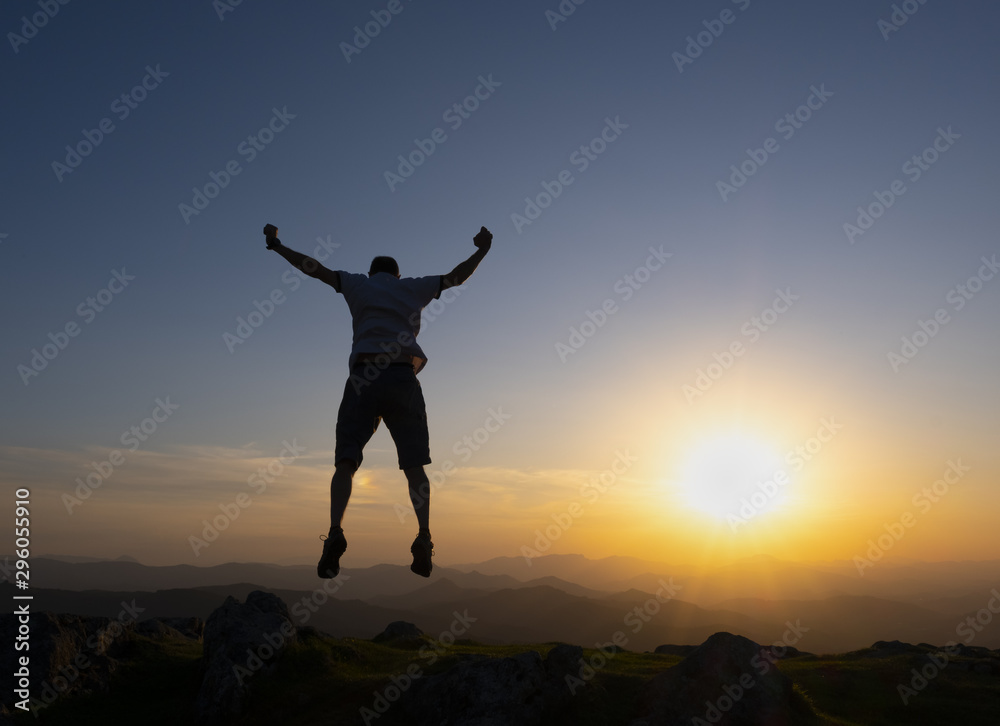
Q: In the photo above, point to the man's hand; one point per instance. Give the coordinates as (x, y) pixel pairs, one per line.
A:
(464, 270)
(484, 239)
(271, 236)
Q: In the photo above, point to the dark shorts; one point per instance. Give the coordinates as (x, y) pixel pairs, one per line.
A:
(392, 394)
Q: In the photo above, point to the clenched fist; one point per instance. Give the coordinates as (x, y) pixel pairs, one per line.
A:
(484, 239)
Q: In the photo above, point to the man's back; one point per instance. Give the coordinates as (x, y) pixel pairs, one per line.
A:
(386, 312)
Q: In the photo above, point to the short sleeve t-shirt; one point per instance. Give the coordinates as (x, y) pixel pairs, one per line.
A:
(386, 312)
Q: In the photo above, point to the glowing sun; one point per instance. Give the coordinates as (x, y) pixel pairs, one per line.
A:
(723, 473)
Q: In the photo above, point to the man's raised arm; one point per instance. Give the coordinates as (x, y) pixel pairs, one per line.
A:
(306, 264)
(463, 270)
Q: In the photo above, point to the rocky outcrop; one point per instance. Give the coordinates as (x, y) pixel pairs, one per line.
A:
(522, 690)
(172, 628)
(890, 648)
(240, 640)
(400, 632)
(69, 654)
(729, 681)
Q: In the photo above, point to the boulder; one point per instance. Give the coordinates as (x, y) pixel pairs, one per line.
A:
(781, 652)
(728, 680)
(69, 654)
(240, 641)
(400, 631)
(522, 690)
(564, 659)
(973, 651)
(894, 647)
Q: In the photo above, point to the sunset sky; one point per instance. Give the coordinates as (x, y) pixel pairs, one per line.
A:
(664, 328)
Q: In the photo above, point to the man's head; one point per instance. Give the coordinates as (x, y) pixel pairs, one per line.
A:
(384, 264)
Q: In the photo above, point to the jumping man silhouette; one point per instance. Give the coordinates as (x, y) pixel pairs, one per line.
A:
(384, 362)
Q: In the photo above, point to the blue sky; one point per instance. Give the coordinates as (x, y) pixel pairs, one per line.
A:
(322, 176)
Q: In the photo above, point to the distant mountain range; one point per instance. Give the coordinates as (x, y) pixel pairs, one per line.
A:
(566, 598)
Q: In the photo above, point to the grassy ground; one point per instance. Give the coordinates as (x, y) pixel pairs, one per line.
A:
(322, 680)
(864, 691)
(155, 686)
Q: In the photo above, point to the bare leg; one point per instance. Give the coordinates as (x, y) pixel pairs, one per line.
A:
(340, 491)
(420, 495)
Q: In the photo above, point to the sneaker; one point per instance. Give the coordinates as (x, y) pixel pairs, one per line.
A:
(422, 549)
(333, 547)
